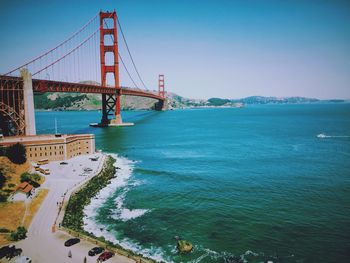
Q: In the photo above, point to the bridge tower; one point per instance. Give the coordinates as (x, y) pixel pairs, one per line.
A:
(161, 85)
(161, 104)
(110, 103)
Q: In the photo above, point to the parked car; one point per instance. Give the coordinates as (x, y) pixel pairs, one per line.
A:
(3, 251)
(16, 252)
(10, 252)
(23, 259)
(105, 255)
(95, 251)
(63, 163)
(71, 242)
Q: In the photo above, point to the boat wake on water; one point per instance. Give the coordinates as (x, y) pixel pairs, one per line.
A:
(323, 136)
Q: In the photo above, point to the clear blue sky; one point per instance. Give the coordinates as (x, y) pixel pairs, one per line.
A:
(211, 48)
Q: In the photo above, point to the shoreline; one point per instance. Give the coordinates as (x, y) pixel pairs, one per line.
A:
(85, 192)
(43, 233)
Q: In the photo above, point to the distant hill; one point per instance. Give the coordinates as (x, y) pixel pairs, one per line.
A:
(80, 101)
(275, 100)
(282, 100)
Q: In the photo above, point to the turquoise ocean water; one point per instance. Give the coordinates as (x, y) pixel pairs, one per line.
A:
(254, 183)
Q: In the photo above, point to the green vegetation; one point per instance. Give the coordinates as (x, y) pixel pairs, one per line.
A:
(32, 178)
(2, 151)
(43, 102)
(16, 153)
(73, 217)
(3, 194)
(2, 179)
(3, 197)
(20, 233)
(218, 101)
(4, 230)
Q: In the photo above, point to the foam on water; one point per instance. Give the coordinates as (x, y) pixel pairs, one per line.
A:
(121, 180)
(121, 213)
(322, 136)
(125, 214)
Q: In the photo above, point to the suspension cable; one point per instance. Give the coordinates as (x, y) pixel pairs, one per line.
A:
(132, 60)
(62, 57)
(121, 59)
(51, 50)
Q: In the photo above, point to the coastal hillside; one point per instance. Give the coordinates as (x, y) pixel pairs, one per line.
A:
(80, 101)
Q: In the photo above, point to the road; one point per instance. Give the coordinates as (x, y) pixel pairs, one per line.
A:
(41, 244)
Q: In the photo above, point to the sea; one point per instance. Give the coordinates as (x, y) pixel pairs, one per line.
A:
(254, 184)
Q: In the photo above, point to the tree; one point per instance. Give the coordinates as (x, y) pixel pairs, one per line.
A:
(2, 179)
(16, 153)
(2, 151)
(33, 179)
(20, 233)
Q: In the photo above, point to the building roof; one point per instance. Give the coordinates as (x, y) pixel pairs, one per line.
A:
(44, 138)
(24, 187)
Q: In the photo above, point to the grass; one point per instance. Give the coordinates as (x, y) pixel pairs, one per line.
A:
(4, 239)
(12, 171)
(34, 206)
(12, 174)
(11, 215)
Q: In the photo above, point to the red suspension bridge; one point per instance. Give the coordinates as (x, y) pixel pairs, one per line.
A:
(83, 56)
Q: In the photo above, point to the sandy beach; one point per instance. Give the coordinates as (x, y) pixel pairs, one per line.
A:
(43, 245)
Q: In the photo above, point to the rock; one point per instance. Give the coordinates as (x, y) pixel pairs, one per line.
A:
(184, 246)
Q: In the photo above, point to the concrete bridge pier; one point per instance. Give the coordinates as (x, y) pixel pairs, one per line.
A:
(28, 97)
(161, 105)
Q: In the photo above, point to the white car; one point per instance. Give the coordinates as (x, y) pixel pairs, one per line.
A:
(23, 259)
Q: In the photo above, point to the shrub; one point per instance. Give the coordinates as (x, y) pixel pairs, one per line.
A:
(3, 197)
(2, 151)
(73, 217)
(2, 179)
(20, 233)
(16, 153)
(31, 178)
(4, 230)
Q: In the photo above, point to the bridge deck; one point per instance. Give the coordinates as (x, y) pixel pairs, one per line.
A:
(42, 86)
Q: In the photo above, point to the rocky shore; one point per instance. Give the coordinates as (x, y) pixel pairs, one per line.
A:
(74, 212)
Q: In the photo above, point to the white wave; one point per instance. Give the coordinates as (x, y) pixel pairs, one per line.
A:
(121, 181)
(124, 173)
(153, 252)
(249, 252)
(215, 256)
(322, 136)
(126, 214)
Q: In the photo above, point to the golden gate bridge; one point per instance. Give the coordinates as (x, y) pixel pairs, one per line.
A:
(85, 55)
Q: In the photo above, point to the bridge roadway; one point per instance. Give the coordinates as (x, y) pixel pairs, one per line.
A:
(41, 86)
